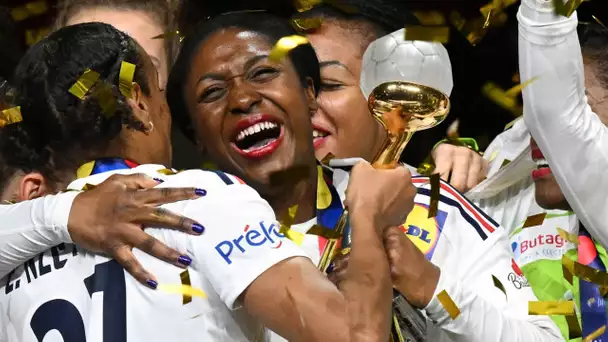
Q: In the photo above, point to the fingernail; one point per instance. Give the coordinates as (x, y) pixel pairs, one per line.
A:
(159, 180)
(330, 268)
(153, 284)
(184, 260)
(199, 229)
(200, 192)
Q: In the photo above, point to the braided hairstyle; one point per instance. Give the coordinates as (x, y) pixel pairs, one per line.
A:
(60, 131)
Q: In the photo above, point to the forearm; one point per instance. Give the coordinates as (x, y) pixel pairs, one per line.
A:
(571, 136)
(367, 285)
(483, 320)
(31, 227)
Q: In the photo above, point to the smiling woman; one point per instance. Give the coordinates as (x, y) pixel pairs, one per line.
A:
(250, 114)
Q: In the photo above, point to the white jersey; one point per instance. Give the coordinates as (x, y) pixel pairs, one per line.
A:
(69, 294)
(572, 137)
(470, 248)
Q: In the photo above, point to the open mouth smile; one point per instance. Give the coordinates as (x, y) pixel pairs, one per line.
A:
(257, 136)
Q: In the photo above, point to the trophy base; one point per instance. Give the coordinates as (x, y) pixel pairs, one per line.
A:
(411, 323)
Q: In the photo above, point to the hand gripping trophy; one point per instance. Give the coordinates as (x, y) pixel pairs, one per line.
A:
(407, 84)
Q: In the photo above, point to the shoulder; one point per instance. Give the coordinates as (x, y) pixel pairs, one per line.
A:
(202, 179)
(455, 205)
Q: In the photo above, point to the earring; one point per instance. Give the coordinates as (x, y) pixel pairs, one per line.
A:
(149, 130)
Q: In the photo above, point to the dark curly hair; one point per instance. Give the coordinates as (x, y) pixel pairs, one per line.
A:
(60, 131)
(303, 57)
(594, 46)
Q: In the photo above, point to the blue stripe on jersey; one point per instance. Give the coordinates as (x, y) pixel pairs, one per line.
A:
(486, 216)
(222, 176)
(463, 212)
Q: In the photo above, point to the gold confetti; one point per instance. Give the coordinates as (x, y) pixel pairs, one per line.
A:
(598, 21)
(452, 131)
(430, 18)
(182, 290)
(167, 172)
(534, 220)
(327, 159)
(209, 165)
(510, 124)
(505, 163)
(34, 36)
(288, 219)
(306, 5)
(551, 308)
(10, 116)
(499, 285)
(323, 194)
(474, 30)
(307, 24)
(6, 202)
(516, 78)
(448, 304)
(439, 34)
(595, 334)
(88, 187)
(325, 232)
(84, 83)
(501, 98)
(284, 45)
(566, 9)
(572, 238)
(516, 90)
(584, 272)
(125, 78)
(574, 328)
(185, 278)
(30, 9)
(435, 187)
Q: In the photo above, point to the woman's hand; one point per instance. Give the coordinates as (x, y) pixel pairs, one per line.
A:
(467, 167)
(110, 219)
(412, 274)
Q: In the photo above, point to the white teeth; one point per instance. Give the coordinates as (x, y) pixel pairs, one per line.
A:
(318, 134)
(541, 162)
(260, 126)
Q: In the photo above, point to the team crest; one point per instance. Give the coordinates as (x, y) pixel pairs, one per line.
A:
(423, 231)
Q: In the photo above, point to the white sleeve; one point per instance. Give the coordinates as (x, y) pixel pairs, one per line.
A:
(475, 248)
(241, 240)
(487, 314)
(571, 136)
(31, 227)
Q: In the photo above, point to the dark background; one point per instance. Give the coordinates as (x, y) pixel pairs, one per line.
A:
(493, 59)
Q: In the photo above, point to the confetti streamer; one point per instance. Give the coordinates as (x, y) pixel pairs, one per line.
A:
(516, 90)
(534, 220)
(323, 194)
(499, 285)
(306, 5)
(167, 172)
(327, 159)
(551, 308)
(566, 9)
(501, 98)
(288, 219)
(595, 334)
(105, 98)
(307, 24)
(598, 21)
(30, 9)
(574, 328)
(572, 268)
(34, 36)
(88, 187)
(284, 45)
(84, 83)
(10, 116)
(325, 232)
(510, 124)
(170, 34)
(439, 34)
(6, 202)
(504, 163)
(430, 18)
(448, 304)
(182, 290)
(185, 278)
(125, 78)
(572, 238)
(435, 186)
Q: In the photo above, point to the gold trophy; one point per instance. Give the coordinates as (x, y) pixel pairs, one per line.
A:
(402, 108)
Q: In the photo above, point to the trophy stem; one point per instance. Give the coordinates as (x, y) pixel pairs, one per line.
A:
(392, 148)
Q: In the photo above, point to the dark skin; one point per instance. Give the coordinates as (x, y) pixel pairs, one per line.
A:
(230, 80)
(259, 89)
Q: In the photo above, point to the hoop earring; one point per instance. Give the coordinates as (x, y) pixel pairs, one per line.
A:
(149, 130)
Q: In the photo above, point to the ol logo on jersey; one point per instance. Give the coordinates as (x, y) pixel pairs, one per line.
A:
(423, 231)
